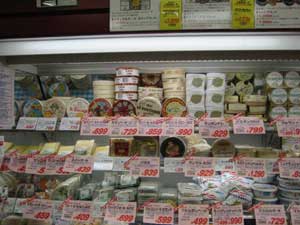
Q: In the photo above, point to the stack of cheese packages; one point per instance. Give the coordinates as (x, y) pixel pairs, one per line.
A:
(104, 89)
(174, 83)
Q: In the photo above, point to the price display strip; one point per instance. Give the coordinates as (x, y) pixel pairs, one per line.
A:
(95, 126)
(174, 165)
(27, 123)
(55, 165)
(270, 214)
(46, 124)
(144, 166)
(248, 125)
(36, 165)
(214, 128)
(70, 123)
(295, 214)
(125, 126)
(193, 215)
(289, 168)
(251, 167)
(158, 213)
(224, 165)
(79, 211)
(121, 212)
(150, 126)
(179, 126)
(288, 127)
(18, 163)
(199, 166)
(79, 164)
(38, 209)
(228, 214)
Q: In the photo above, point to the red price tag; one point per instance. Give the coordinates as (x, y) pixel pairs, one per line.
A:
(125, 126)
(38, 209)
(154, 132)
(200, 166)
(180, 126)
(251, 167)
(228, 215)
(288, 127)
(95, 126)
(190, 214)
(100, 131)
(289, 168)
(79, 164)
(151, 126)
(79, 211)
(270, 215)
(121, 212)
(158, 213)
(144, 166)
(27, 123)
(248, 125)
(214, 128)
(55, 165)
(18, 163)
(129, 131)
(295, 214)
(36, 165)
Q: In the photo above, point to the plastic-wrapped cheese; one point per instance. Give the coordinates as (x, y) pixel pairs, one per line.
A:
(195, 98)
(215, 112)
(278, 96)
(85, 147)
(244, 76)
(277, 111)
(195, 81)
(294, 96)
(54, 107)
(50, 148)
(215, 81)
(274, 80)
(214, 98)
(149, 106)
(230, 89)
(292, 79)
(33, 108)
(244, 88)
(294, 111)
(255, 99)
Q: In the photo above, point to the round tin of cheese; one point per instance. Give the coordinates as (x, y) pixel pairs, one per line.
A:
(149, 107)
(100, 107)
(81, 81)
(58, 89)
(274, 80)
(33, 108)
(132, 96)
(54, 107)
(126, 80)
(127, 71)
(151, 80)
(294, 96)
(292, 79)
(174, 107)
(124, 108)
(277, 111)
(77, 107)
(172, 147)
(126, 88)
(173, 73)
(294, 111)
(279, 96)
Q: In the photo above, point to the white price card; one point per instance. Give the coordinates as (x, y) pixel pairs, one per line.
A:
(103, 163)
(179, 126)
(20, 205)
(79, 164)
(270, 214)
(228, 214)
(214, 128)
(98, 209)
(251, 167)
(125, 126)
(224, 165)
(199, 166)
(70, 123)
(151, 126)
(38, 209)
(295, 214)
(144, 166)
(17, 163)
(95, 126)
(158, 213)
(289, 168)
(79, 211)
(27, 123)
(288, 127)
(119, 163)
(36, 165)
(55, 165)
(46, 124)
(9, 205)
(122, 212)
(174, 165)
(272, 166)
(248, 125)
(191, 214)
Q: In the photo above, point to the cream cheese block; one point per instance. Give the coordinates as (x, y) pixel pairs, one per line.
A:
(237, 107)
(292, 79)
(274, 80)
(77, 107)
(54, 107)
(294, 96)
(278, 96)
(231, 99)
(149, 107)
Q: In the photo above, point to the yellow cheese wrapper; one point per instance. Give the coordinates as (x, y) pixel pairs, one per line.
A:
(170, 15)
(243, 14)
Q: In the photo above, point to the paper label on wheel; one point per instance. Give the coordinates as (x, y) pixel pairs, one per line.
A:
(70, 123)
(248, 125)
(151, 126)
(55, 165)
(79, 211)
(158, 213)
(125, 126)
(193, 215)
(288, 127)
(38, 209)
(270, 214)
(179, 126)
(289, 168)
(46, 124)
(214, 128)
(144, 167)
(200, 166)
(36, 165)
(79, 164)
(174, 165)
(95, 126)
(123, 212)
(251, 167)
(295, 214)
(228, 214)
(27, 123)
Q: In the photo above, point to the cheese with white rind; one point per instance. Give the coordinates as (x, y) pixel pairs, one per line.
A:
(294, 111)
(278, 96)
(274, 80)
(54, 107)
(196, 112)
(230, 89)
(173, 73)
(292, 79)
(149, 107)
(244, 76)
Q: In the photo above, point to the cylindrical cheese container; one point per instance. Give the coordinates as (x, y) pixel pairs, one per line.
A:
(277, 111)
(126, 88)
(58, 89)
(127, 71)
(278, 96)
(173, 74)
(124, 108)
(33, 108)
(100, 107)
(195, 81)
(294, 111)
(54, 107)
(274, 80)
(77, 107)
(292, 79)
(149, 107)
(126, 96)
(151, 80)
(174, 107)
(215, 81)
(294, 96)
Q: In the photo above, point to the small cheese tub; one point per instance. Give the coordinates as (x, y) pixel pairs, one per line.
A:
(264, 190)
(266, 201)
(289, 193)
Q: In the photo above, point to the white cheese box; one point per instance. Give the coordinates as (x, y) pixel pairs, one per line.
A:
(195, 81)
(215, 81)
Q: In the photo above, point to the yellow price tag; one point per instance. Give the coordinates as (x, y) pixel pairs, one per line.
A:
(243, 14)
(170, 14)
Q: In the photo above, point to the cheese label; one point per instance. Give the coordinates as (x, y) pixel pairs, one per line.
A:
(124, 126)
(179, 126)
(170, 15)
(270, 214)
(79, 164)
(248, 125)
(243, 14)
(200, 166)
(229, 215)
(144, 166)
(191, 214)
(79, 211)
(173, 165)
(214, 128)
(295, 214)
(121, 212)
(38, 209)
(36, 165)
(151, 126)
(158, 213)
(46, 124)
(27, 123)
(95, 126)
(251, 167)
(289, 168)
(288, 127)
(70, 123)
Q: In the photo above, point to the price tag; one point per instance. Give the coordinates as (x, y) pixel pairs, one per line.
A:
(104, 163)
(46, 124)
(145, 166)
(27, 123)
(272, 166)
(174, 165)
(95, 126)
(270, 214)
(224, 165)
(123, 212)
(55, 165)
(36, 165)
(288, 127)
(79, 211)
(9, 205)
(125, 126)
(295, 214)
(38, 209)
(17, 163)
(151, 126)
(193, 215)
(248, 125)
(20, 206)
(228, 214)
(79, 164)
(70, 123)
(214, 128)
(118, 164)
(170, 15)
(98, 209)
(251, 167)
(5, 163)
(179, 126)
(200, 167)
(158, 213)
(289, 168)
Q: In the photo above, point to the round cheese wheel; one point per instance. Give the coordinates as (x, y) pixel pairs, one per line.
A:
(100, 107)
(294, 96)
(274, 79)
(277, 111)
(292, 79)
(174, 107)
(223, 148)
(103, 83)
(124, 108)
(54, 107)
(279, 96)
(294, 111)
(173, 73)
(33, 108)
(77, 107)
(127, 71)
(149, 106)
(103, 92)
(244, 88)
(126, 80)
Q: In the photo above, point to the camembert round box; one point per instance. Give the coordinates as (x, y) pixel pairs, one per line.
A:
(124, 108)
(292, 79)
(149, 107)
(174, 107)
(126, 88)
(100, 107)
(54, 107)
(294, 96)
(77, 107)
(274, 80)
(278, 96)
(33, 108)
(172, 73)
(277, 111)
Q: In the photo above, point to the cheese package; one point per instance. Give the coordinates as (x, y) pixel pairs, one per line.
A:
(54, 107)
(244, 88)
(257, 109)
(126, 80)
(196, 112)
(292, 79)
(131, 96)
(81, 81)
(65, 150)
(101, 151)
(276, 111)
(236, 108)
(215, 112)
(100, 107)
(145, 146)
(230, 89)
(195, 82)
(150, 92)
(85, 147)
(77, 107)
(214, 98)
(294, 111)
(231, 99)
(278, 96)
(274, 80)
(50, 148)
(244, 76)
(7, 146)
(126, 88)
(58, 89)
(172, 147)
(31, 150)
(215, 81)
(33, 108)
(174, 107)
(294, 96)
(151, 80)
(255, 100)
(223, 148)
(195, 98)
(173, 74)
(149, 107)
(127, 71)
(120, 146)
(230, 76)
(124, 108)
